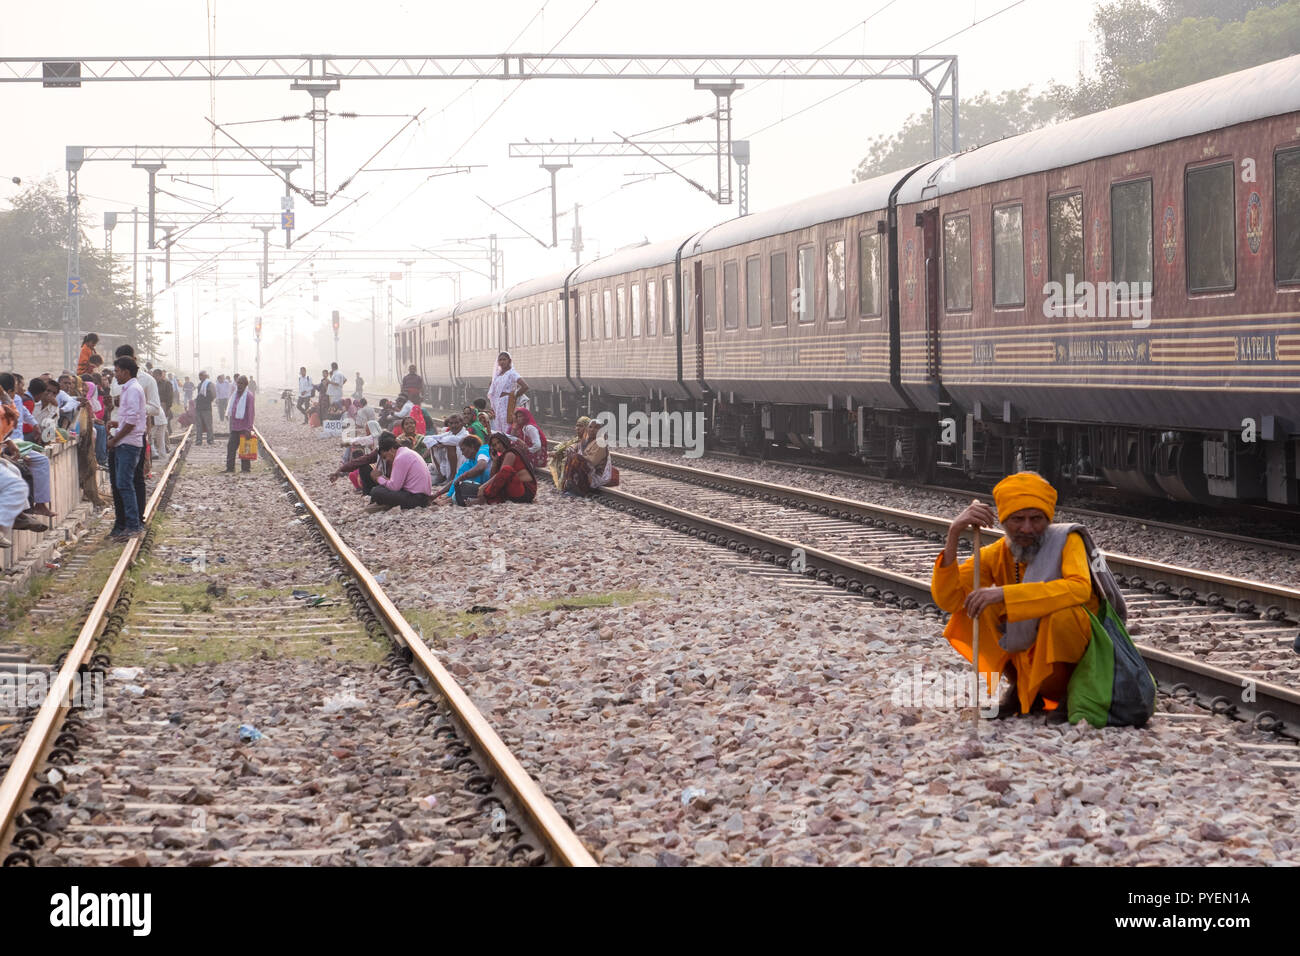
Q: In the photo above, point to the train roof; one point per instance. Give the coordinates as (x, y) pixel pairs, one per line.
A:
(541, 284)
(485, 301)
(1268, 90)
(431, 316)
(647, 255)
(825, 207)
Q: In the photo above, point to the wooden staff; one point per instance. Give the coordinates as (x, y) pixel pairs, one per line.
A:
(975, 629)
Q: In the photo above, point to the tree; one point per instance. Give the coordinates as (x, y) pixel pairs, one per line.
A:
(984, 119)
(1143, 48)
(33, 273)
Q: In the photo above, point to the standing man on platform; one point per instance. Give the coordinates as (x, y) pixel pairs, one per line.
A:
(126, 446)
(241, 423)
(224, 390)
(335, 391)
(412, 384)
(203, 398)
(306, 388)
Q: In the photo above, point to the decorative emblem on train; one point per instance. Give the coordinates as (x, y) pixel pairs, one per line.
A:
(1254, 223)
(1096, 243)
(1036, 251)
(909, 284)
(1169, 234)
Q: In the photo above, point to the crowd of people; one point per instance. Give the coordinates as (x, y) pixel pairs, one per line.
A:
(118, 416)
(491, 452)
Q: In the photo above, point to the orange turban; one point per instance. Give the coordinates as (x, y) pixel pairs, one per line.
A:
(1024, 490)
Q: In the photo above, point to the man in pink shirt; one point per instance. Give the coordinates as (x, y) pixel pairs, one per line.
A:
(407, 483)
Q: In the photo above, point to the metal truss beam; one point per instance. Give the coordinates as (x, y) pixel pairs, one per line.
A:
(73, 71)
(593, 149)
(267, 155)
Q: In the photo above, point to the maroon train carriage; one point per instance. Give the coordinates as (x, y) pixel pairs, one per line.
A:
(930, 332)
(794, 338)
(536, 340)
(626, 344)
(479, 335)
(1184, 379)
(425, 341)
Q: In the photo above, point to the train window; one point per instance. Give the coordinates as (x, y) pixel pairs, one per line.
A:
(1210, 214)
(595, 316)
(1008, 256)
(753, 293)
(636, 309)
(534, 327)
(666, 303)
(550, 322)
(868, 273)
(835, 279)
(1065, 241)
(779, 305)
(1286, 216)
(650, 288)
(580, 304)
(805, 287)
(609, 314)
(621, 326)
(688, 300)
(956, 263)
(1130, 234)
(730, 295)
(710, 297)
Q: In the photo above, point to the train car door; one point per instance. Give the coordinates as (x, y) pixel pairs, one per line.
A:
(929, 223)
(699, 320)
(573, 339)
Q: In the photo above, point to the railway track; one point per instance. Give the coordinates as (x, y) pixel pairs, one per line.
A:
(1227, 641)
(1278, 543)
(242, 720)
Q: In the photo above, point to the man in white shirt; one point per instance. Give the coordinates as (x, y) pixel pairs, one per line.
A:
(152, 403)
(126, 448)
(442, 444)
(306, 389)
(335, 390)
(204, 396)
(225, 388)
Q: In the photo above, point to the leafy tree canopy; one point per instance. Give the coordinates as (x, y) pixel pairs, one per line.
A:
(34, 267)
(1143, 48)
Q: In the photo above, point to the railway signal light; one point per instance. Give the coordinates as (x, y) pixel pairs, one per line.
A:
(335, 320)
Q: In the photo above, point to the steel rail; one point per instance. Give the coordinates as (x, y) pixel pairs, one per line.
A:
(1140, 572)
(57, 703)
(1269, 707)
(563, 843)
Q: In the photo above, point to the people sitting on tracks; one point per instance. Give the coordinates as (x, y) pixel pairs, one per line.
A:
(365, 415)
(443, 445)
(23, 518)
(407, 484)
(559, 453)
(588, 466)
(527, 432)
(360, 467)
(408, 437)
(512, 477)
(475, 467)
(1034, 587)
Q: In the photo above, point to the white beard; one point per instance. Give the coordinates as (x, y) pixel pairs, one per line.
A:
(1026, 554)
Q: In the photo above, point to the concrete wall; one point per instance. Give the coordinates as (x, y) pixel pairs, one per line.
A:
(29, 352)
(65, 490)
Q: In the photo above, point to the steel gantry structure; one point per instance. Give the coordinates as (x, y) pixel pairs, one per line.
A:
(321, 74)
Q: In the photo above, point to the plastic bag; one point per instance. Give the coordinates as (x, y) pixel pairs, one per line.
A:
(247, 449)
(1111, 685)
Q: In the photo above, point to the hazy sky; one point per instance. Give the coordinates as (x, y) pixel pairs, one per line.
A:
(1032, 43)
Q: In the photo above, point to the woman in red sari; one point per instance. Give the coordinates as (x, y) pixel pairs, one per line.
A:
(529, 434)
(512, 476)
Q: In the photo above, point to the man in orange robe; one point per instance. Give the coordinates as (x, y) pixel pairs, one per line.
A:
(1026, 504)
